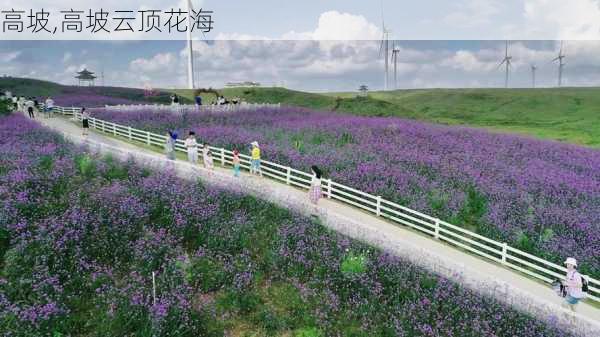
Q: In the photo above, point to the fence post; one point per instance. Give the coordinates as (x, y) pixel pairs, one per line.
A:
(378, 205)
(103, 126)
(129, 132)
(223, 156)
(288, 177)
(148, 137)
(504, 252)
(114, 129)
(329, 188)
(153, 289)
(437, 229)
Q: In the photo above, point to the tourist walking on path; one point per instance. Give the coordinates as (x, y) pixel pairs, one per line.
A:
(49, 106)
(314, 193)
(192, 148)
(255, 164)
(170, 145)
(21, 104)
(207, 156)
(574, 284)
(236, 163)
(30, 105)
(85, 123)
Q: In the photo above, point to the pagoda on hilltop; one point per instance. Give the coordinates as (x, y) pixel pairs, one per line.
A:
(86, 76)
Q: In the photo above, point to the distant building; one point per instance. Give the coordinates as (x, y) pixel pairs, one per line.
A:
(242, 84)
(86, 76)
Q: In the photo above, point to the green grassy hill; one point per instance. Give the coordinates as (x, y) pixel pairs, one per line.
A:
(565, 114)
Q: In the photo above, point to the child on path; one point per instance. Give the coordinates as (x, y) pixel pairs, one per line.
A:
(192, 148)
(236, 163)
(207, 156)
(170, 145)
(255, 165)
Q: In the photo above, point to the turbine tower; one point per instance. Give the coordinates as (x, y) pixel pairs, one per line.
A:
(533, 69)
(561, 64)
(190, 63)
(384, 47)
(507, 60)
(395, 52)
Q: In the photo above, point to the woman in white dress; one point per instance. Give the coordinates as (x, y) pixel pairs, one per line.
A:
(192, 148)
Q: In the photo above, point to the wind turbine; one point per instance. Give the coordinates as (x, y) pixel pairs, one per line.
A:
(190, 52)
(385, 45)
(507, 60)
(533, 69)
(395, 52)
(561, 64)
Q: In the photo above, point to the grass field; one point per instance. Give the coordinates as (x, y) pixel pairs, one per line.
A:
(567, 114)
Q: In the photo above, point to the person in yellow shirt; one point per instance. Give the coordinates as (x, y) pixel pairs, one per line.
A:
(255, 164)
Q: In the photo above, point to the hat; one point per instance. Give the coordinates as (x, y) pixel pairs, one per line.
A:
(571, 261)
(254, 144)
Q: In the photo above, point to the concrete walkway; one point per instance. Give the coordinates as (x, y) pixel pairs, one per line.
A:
(478, 274)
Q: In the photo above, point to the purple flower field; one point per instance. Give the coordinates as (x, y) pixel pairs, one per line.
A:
(89, 100)
(80, 236)
(539, 196)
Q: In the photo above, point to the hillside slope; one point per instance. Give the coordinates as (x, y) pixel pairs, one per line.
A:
(565, 114)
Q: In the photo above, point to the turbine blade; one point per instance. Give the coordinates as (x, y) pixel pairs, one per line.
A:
(501, 63)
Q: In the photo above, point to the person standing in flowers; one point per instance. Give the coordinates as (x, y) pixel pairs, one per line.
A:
(207, 157)
(315, 193)
(255, 164)
(170, 145)
(236, 163)
(192, 148)
(574, 284)
(85, 123)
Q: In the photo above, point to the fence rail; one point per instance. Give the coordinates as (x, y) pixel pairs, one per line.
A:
(191, 107)
(477, 244)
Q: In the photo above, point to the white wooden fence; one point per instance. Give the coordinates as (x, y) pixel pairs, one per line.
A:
(499, 252)
(192, 107)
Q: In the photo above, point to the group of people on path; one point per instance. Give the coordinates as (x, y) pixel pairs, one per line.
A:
(31, 105)
(192, 146)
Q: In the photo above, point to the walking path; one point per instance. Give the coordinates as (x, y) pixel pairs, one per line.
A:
(473, 272)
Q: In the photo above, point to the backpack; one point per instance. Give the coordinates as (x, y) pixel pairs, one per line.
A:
(584, 284)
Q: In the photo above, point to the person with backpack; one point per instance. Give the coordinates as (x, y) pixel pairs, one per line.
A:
(574, 283)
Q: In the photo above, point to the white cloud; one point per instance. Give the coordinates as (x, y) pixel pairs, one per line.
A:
(158, 63)
(567, 20)
(9, 56)
(334, 25)
(471, 13)
(468, 61)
